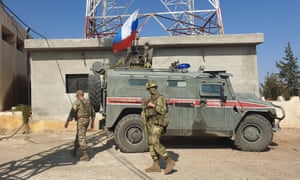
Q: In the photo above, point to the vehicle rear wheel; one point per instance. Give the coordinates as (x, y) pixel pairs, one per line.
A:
(254, 134)
(130, 134)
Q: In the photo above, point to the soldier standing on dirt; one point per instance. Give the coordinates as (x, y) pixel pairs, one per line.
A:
(154, 112)
(82, 111)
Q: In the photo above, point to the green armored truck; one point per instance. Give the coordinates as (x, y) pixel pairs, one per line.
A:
(202, 102)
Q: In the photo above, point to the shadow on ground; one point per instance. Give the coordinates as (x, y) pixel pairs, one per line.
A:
(57, 156)
(208, 141)
(204, 142)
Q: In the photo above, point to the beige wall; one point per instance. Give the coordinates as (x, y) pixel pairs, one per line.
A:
(52, 59)
(292, 109)
(13, 64)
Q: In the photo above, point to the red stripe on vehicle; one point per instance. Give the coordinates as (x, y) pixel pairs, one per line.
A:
(232, 103)
(193, 102)
(123, 101)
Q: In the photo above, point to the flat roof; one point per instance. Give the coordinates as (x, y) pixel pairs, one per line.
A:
(165, 41)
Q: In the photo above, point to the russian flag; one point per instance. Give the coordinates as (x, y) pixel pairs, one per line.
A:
(126, 34)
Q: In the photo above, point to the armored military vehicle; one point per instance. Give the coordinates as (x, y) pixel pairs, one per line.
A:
(202, 102)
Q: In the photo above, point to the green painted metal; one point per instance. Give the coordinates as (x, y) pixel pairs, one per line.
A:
(198, 101)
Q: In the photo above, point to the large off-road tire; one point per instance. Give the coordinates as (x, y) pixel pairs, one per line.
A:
(95, 91)
(254, 134)
(129, 134)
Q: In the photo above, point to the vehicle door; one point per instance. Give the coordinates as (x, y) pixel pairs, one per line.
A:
(181, 106)
(211, 110)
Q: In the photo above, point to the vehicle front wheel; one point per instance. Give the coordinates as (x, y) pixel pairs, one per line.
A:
(130, 134)
(254, 134)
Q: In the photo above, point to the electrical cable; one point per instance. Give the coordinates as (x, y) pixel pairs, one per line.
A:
(20, 20)
(62, 78)
(28, 28)
(39, 34)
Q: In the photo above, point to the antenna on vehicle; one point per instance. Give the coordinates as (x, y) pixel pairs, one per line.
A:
(201, 68)
(203, 56)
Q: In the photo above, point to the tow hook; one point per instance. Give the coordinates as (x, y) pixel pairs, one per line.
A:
(278, 119)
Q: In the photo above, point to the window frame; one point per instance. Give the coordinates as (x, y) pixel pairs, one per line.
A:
(144, 80)
(177, 80)
(205, 94)
(20, 44)
(7, 35)
(80, 78)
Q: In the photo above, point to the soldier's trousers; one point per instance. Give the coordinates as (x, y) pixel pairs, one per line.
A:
(156, 149)
(80, 140)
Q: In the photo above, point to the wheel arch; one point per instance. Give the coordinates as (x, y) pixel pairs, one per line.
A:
(125, 112)
(265, 114)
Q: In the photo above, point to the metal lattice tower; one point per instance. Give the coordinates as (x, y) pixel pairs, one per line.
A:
(105, 17)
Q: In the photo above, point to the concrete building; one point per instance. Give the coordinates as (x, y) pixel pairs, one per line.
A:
(58, 67)
(14, 66)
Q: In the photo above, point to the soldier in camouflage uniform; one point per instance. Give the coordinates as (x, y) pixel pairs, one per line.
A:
(82, 111)
(146, 56)
(154, 112)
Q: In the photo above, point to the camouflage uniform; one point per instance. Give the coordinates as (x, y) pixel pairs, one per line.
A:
(155, 119)
(154, 111)
(84, 112)
(146, 56)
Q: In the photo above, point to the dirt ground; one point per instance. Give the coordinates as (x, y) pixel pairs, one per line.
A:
(47, 156)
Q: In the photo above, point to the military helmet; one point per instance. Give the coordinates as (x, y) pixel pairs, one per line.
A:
(150, 84)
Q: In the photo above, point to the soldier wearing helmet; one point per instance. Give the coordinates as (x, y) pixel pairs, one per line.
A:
(151, 84)
(83, 112)
(155, 112)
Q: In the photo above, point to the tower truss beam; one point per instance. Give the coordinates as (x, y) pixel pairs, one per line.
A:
(105, 17)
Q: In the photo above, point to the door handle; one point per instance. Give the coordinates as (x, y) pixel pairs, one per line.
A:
(203, 103)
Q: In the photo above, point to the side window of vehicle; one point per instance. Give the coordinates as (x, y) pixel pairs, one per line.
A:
(213, 90)
(177, 83)
(137, 82)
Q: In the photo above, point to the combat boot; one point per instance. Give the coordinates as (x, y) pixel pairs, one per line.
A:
(85, 156)
(154, 168)
(169, 166)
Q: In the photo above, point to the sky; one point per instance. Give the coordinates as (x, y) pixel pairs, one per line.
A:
(278, 20)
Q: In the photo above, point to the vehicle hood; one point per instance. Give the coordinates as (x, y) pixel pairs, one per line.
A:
(251, 98)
